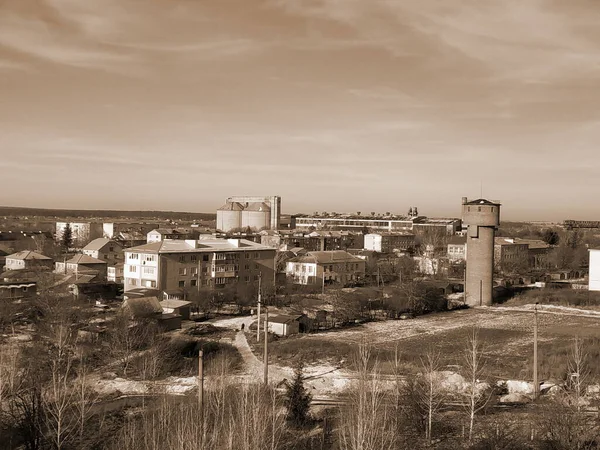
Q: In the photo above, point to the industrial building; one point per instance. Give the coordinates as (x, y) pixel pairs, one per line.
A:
(387, 222)
(256, 213)
(482, 218)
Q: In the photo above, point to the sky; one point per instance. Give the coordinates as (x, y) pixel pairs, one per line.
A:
(335, 105)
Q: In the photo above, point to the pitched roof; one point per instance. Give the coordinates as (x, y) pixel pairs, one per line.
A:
(28, 255)
(99, 244)
(284, 318)
(325, 257)
(84, 259)
(482, 201)
(174, 303)
(143, 306)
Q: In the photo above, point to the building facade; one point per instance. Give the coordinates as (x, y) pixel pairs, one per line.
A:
(389, 242)
(457, 249)
(104, 249)
(195, 264)
(28, 260)
(329, 267)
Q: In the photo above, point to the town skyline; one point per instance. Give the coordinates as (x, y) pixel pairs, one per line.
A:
(370, 106)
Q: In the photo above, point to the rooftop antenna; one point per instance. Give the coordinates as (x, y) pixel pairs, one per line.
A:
(481, 188)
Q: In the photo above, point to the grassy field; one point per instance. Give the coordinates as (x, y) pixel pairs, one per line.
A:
(506, 336)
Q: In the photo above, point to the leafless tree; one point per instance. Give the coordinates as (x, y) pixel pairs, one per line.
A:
(10, 359)
(474, 398)
(84, 396)
(430, 389)
(366, 422)
(577, 372)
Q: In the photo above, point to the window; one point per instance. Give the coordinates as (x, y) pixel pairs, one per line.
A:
(193, 283)
(182, 271)
(133, 269)
(204, 257)
(247, 279)
(194, 271)
(150, 258)
(255, 277)
(219, 280)
(134, 256)
(204, 269)
(256, 266)
(247, 266)
(182, 258)
(257, 255)
(182, 283)
(132, 282)
(247, 255)
(194, 258)
(148, 270)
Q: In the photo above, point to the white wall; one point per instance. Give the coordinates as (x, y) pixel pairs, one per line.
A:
(594, 283)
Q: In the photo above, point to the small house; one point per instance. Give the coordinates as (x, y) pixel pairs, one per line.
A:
(180, 307)
(284, 324)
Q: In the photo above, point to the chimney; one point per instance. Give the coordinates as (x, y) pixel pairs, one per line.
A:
(234, 242)
(464, 200)
(192, 243)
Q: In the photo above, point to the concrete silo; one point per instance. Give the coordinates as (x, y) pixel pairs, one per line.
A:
(482, 218)
(256, 216)
(229, 216)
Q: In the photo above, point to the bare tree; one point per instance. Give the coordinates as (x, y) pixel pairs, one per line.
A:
(577, 372)
(366, 420)
(430, 389)
(84, 396)
(474, 397)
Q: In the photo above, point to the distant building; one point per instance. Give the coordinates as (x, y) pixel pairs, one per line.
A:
(192, 264)
(28, 259)
(457, 249)
(509, 253)
(11, 289)
(179, 307)
(328, 267)
(387, 222)
(104, 249)
(256, 213)
(323, 240)
(82, 232)
(111, 230)
(160, 234)
(285, 324)
(389, 242)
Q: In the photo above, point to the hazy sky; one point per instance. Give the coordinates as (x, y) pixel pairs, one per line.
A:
(337, 105)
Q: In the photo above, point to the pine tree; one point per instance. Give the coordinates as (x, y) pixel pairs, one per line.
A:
(67, 237)
(298, 398)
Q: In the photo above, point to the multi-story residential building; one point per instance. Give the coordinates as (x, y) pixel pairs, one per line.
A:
(105, 250)
(389, 242)
(192, 264)
(328, 267)
(29, 260)
(82, 232)
(457, 249)
(387, 222)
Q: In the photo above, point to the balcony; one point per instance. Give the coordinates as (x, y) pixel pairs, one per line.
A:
(229, 274)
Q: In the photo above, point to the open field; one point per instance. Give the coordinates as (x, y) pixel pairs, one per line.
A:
(506, 333)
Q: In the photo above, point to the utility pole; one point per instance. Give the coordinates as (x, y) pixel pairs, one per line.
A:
(258, 309)
(266, 351)
(535, 353)
(201, 387)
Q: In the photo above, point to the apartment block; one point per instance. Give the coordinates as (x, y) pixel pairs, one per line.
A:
(194, 264)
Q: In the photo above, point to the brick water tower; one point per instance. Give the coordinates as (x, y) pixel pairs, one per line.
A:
(482, 218)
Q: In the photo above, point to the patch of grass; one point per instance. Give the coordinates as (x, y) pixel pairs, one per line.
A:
(560, 297)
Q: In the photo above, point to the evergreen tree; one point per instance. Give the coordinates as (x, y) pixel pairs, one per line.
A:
(67, 237)
(297, 398)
